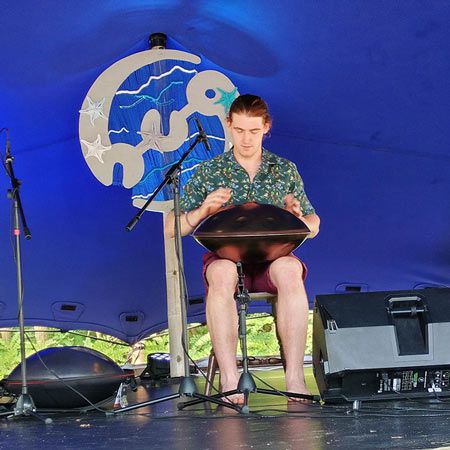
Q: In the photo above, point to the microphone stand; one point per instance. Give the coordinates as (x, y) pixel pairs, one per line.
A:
(24, 405)
(187, 385)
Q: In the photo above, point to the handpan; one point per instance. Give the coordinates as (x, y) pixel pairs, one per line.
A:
(251, 233)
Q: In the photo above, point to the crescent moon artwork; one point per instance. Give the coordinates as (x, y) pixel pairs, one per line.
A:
(136, 121)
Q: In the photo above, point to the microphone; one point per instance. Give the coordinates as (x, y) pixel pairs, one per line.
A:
(8, 146)
(202, 134)
(8, 157)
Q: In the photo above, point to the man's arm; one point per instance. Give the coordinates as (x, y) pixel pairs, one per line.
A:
(313, 223)
(188, 221)
(311, 220)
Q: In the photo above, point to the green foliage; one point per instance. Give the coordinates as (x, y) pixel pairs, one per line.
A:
(9, 354)
(261, 341)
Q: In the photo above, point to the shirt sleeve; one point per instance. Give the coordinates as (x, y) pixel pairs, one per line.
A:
(194, 191)
(298, 189)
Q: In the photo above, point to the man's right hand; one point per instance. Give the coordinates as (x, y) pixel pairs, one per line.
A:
(214, 201)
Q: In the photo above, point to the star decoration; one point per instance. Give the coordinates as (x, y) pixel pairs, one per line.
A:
(152, 138)
(226, 99)
(93, 110)
(95, 148)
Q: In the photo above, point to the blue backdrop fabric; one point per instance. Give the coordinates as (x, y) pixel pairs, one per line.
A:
(360, 99)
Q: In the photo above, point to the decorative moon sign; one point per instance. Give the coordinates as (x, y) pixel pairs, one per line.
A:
(251, 233)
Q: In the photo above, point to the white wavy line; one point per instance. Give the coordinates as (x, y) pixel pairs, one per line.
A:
(156, 77)
(190, 168)
(145, 197)
(208, 136)
(118, 131)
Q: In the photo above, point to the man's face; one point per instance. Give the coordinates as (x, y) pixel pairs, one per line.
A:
(247, 134)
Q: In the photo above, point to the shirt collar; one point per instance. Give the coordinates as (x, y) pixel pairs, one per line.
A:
(268, 159)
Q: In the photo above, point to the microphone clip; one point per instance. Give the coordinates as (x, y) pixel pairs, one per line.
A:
(202, 135)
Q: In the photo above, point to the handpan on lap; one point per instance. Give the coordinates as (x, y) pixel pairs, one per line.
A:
(251, 233)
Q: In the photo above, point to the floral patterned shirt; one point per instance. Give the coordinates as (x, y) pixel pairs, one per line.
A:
(276, 178)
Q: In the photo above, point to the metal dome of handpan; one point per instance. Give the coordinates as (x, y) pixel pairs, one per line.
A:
(251, 233)
(56, 372)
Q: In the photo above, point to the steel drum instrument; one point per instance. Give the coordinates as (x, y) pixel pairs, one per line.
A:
(251, 233)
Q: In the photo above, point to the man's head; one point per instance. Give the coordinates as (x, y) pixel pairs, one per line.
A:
(248, 120)
(252, 106)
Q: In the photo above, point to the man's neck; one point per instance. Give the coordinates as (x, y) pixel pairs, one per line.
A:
(249, 163)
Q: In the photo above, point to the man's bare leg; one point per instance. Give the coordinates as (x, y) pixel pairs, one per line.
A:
(292, 319)
(222, 320)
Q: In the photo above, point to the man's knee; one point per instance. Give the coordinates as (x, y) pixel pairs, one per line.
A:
(286, 272)
(222, 274)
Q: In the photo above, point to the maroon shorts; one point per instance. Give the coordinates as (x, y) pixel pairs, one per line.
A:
(257, 278)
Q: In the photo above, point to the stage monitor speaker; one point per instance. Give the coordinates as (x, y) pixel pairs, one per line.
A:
(382, 345)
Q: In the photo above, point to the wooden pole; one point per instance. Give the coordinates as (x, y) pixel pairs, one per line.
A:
(174, 312)
(41, 335)
(6, 335)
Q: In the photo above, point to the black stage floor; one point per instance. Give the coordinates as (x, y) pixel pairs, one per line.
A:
(272, 423)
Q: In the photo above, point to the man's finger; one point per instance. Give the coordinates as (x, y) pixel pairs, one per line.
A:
(289, 199)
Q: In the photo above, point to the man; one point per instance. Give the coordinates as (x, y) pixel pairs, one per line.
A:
(247, 173)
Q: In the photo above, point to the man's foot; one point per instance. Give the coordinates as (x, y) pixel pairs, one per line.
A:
(297, 387)
(237, 399)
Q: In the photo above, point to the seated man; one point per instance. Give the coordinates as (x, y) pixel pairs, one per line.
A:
(247, 173)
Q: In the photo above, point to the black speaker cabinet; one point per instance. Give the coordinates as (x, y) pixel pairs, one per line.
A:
(382, 345)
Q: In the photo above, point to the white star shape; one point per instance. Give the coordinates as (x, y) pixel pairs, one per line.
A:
(95, 148)
(93, 110)
(152, 138)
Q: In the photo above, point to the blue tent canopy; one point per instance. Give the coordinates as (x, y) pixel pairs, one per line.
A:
(360, 99)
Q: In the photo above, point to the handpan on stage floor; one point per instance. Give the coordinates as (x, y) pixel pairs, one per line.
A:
(251, 233)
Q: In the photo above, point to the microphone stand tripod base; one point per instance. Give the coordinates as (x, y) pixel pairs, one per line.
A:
(187, 386)
(246, 385)
(24, 405)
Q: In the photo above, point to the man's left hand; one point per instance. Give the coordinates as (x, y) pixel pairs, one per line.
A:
(312, 221)
(292, 205)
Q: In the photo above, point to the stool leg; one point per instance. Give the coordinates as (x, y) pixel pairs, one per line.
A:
(211, 372)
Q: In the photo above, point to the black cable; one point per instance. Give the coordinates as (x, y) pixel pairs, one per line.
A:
(11, 225)
(282, 394)
(13, 193)
(3, 160)
(184, 281)
(186, 302)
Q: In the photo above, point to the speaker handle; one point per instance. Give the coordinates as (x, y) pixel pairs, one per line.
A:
(402, 305)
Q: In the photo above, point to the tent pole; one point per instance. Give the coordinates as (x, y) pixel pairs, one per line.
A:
(174, 309)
